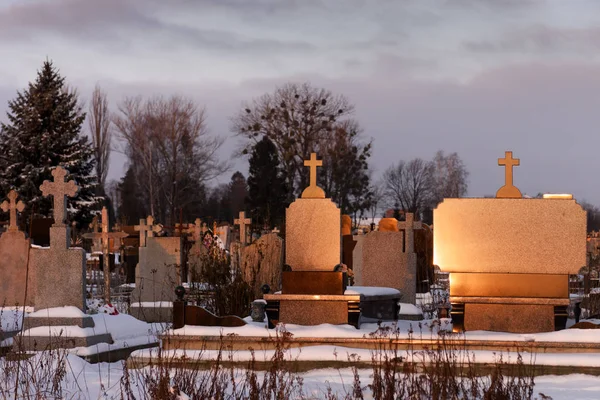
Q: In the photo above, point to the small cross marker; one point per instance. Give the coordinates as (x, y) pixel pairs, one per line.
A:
(508, 191)
(59, 190)
(13, 206)
(242, 221)
(104, 236)
(313, 191)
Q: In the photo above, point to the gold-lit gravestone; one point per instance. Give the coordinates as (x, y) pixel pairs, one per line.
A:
(312, 293)
(509, 258)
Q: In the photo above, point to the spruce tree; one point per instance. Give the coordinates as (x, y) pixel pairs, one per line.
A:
(42, 132)
(267, 190)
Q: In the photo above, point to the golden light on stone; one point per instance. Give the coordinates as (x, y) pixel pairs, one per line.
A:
(313, 191)
(558, 196)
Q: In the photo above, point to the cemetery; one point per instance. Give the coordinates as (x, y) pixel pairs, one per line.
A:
(322, 291)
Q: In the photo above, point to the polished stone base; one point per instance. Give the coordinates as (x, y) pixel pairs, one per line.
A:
(515, 315)
(152, 314)
(312, 309)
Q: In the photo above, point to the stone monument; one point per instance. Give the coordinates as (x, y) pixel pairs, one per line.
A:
(313, 293)
(14, 255)
(157, 273)
(389, 258)
(60, 271)
(509, 258)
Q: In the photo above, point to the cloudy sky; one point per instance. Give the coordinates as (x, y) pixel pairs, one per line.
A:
(473, 76)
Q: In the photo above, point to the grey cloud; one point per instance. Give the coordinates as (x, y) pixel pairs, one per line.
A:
(123, 23)
(540, 39)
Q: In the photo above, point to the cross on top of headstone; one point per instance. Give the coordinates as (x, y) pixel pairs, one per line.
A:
(509, 190)
(275, 230)
(313, 191)
(13, 206)
(59, 190)
(147, 230)
(242, 221)
(196, 229)
(409, 225)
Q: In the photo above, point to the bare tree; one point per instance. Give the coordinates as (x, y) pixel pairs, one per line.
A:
(170, 149)
(99, 123)
(407, 185)
(297, 119)
(448, 178)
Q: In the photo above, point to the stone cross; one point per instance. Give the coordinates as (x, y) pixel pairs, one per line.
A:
(242, 221)
(147, 230)
(509, 190)
(94, 227)
(313, 191)
(59, 190)
(409, 235)
(13, 206)
(197, 229)
(104, 236)
(275, 230)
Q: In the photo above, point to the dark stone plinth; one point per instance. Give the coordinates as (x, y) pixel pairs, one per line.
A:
(199, 316)
(314, 282)
(384, 309)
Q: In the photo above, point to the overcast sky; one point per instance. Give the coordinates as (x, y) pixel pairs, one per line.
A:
(476, 77)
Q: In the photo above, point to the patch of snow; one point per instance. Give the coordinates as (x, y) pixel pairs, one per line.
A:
(372, 291)
(59, 312)
(409, 309)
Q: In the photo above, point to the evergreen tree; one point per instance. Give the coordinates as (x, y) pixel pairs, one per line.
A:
(131, 208)
(43, 131)
(267, 190)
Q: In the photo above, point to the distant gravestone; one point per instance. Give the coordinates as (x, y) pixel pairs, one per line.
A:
(13, 258)
(62, 268)
(389, 259)
(157, 274)
(262, 262)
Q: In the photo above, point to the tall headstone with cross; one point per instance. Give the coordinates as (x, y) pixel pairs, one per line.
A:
(313, 292)
(242, 221)
(13, 258)
(62, 268)
(509, 257)
(157, 274)
(104, 237)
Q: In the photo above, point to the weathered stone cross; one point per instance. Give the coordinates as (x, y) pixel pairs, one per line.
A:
(197, 229)
(59, 190)
(97, 241)
(509, 190)
(105, 237)
(147, 230)
(13, 206)
(242, 221)
(409, 235)
(313, 191)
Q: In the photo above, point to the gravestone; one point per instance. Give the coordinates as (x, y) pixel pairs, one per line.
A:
(389, 258)
(14, 248)
(62, 268)
(509, 258)
(243, 222)
(224, 233)
(157, 274)
(262, 262)
(312, 292)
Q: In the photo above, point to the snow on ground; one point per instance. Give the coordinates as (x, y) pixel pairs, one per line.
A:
(59, 312)
(102, 381)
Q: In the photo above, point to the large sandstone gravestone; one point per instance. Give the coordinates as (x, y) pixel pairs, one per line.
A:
(60, 270)
(389, 259)
(312, 293)
(510, 258)
(14, 248)
(157, 274)
(262, 262)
